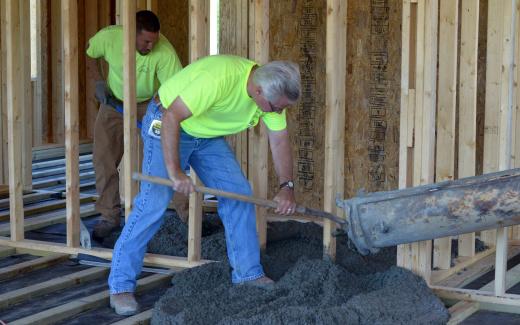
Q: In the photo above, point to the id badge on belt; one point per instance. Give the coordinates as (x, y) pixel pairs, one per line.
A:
(155, 129)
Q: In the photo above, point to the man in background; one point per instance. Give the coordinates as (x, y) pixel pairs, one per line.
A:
(156, 62)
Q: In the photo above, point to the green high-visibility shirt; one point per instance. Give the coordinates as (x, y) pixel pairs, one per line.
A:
(214, 89)
(152, 69)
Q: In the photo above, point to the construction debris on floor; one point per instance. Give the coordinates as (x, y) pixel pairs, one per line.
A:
(308, 290)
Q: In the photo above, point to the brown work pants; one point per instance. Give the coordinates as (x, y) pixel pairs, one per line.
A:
(107, 153)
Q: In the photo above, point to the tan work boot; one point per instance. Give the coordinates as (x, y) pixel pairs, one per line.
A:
(124, 303)
(263, 283)
(104, 228)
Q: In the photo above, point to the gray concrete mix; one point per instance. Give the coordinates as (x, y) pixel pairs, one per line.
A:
(308, 290)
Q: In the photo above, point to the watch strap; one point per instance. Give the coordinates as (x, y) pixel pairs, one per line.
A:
(289, 184)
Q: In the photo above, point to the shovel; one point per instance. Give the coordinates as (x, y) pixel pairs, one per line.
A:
(250, 199)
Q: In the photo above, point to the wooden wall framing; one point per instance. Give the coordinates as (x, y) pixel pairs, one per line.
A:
(439, 92)
(198, 47)
(336, 67)
(129, 9)
(68, 11)
(258, 31)
(15, 101)
(451, 120)
(71, 105)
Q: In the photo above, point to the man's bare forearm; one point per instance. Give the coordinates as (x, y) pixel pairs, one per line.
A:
(282, 158)
(282, 155)
(170, 132)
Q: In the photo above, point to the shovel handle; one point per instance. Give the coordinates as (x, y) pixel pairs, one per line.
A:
(245, 198)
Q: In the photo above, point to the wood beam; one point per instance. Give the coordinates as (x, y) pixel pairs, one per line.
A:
(56, 114)
(469, 274)
(141, 5)
(336, 67)
(58, 313)
(498, 112)
(26, 91)
(32, 265)
(407, 116)
(516, 106)
(39, 82)
(71, 105)
(152, 5)
(515, 163)
(149, 259)
(427, 107)
(11, 298)
(52, 218)
(130, 104)
(258, 142)
(3, 95)
(198, 48)
(7, 251)
(468, 104)
(92, 15)
(407, 109)
(417, 256)
(461, 264)
(476, 295)
(445, 166)
(463, 309)
(14, 117)
(460, 312)
(44, 207)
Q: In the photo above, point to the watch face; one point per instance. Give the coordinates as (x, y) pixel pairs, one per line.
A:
(289, 184)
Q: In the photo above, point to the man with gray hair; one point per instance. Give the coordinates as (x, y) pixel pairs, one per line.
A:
(185, 125)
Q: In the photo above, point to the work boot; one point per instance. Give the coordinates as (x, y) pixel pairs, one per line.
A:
(262, 283)
(103, 229)
(124, 303)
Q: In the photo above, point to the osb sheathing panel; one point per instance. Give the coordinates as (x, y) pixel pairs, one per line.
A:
(174, 18)
(297, 32)
(372, 95)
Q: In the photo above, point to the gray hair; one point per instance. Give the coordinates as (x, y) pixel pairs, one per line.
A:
(277, 79)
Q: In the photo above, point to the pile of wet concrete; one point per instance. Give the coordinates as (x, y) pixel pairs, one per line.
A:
(308, 290)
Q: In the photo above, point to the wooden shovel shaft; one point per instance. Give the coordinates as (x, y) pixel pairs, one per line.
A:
(258, 201)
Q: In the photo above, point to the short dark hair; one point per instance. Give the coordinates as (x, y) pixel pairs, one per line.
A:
(147, 20)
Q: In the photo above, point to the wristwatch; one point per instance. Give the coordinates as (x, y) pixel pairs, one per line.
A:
(289, 184)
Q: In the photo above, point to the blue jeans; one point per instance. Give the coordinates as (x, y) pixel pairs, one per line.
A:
(216, 165)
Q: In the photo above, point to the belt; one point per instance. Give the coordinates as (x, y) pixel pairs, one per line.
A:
(118, 106)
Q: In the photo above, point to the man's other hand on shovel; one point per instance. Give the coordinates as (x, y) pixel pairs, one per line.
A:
(286, 201)
(182, 183)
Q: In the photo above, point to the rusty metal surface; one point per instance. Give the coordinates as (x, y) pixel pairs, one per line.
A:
(433, 211)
